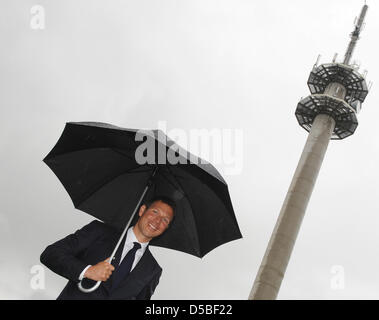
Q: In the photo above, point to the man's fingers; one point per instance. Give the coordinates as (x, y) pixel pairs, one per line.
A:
(104, 270)
(109, 267)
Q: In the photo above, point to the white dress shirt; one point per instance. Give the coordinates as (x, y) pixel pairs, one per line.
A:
(130, 238)
(128, 245)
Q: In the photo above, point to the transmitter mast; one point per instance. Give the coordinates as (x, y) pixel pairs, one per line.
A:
(329, 112)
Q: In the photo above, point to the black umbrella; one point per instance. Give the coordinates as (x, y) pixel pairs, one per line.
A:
(109, 170)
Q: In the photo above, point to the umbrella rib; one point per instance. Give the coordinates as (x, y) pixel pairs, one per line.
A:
(47, 158)
(222, 202)
(188, 198)
(224, 183)
(121, 153)
(89, 194)
(170, 182)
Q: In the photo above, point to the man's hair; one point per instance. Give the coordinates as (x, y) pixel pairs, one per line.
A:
(163, 199)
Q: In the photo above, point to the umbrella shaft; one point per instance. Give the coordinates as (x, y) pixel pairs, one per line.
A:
(133, 214)
(128, 224)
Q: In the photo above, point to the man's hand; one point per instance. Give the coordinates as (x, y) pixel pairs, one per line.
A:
(100, 272)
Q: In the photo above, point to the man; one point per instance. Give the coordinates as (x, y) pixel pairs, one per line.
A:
(84, 256)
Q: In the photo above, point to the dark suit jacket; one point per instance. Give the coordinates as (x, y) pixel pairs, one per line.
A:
(91, 244)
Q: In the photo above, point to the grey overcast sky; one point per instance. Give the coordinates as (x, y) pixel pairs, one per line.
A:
(200, 64)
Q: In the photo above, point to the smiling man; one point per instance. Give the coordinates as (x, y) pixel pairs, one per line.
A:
(133, 274)
(154, 220)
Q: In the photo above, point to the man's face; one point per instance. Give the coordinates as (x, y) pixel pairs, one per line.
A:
(154, 220)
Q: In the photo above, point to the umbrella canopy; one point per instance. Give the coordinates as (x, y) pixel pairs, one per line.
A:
(105, 168)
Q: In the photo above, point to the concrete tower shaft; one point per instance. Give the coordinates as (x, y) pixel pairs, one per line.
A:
(279, 249)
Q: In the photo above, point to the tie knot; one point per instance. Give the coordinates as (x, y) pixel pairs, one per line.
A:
(136, 246)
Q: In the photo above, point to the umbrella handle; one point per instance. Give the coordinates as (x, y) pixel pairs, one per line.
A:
(122, 235)
(88, 290)
(82, 289)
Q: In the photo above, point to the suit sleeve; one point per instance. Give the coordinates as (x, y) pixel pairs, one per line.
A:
(62, 256)
(149, 289)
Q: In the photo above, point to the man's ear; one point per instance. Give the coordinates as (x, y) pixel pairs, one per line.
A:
(142, 210)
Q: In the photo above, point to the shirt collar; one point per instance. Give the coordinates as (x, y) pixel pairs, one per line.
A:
(131, 237)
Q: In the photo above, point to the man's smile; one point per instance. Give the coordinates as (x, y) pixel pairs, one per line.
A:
(151, 226)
